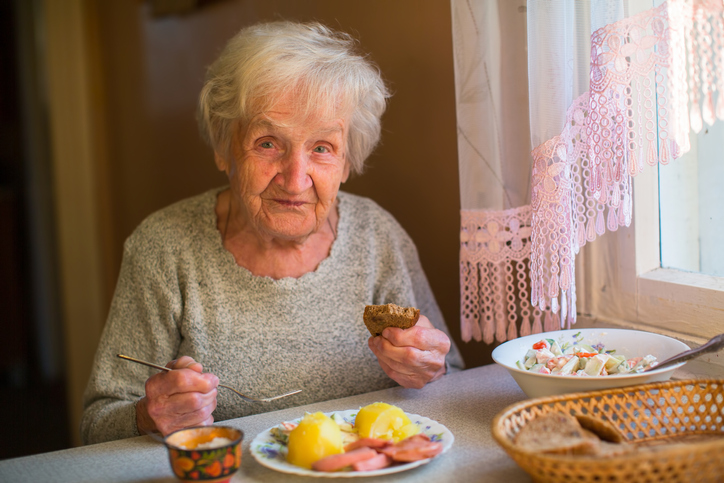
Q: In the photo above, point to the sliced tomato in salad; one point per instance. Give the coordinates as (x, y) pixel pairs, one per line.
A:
(541, 345)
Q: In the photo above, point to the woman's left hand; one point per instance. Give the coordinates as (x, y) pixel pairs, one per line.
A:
(412, 357)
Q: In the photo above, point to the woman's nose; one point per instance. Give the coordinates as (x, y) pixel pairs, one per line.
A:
(294, 174)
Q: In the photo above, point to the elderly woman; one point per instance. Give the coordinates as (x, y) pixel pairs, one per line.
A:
(265, 281)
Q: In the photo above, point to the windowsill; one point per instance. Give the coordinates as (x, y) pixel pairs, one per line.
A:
(707, 366)
(680, 286)
(687, 304)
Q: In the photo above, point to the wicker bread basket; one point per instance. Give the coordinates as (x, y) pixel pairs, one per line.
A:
(689, 412)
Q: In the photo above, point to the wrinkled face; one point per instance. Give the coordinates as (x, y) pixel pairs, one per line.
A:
(285, 171)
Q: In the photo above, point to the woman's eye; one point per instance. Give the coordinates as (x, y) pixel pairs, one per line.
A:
(321, 149)
(267, 145)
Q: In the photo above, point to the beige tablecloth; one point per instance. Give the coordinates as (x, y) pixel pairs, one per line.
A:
(465, 402)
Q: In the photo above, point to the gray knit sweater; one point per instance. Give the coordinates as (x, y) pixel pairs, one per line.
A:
(181, 293)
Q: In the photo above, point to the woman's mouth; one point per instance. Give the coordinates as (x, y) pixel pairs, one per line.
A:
(290, 203)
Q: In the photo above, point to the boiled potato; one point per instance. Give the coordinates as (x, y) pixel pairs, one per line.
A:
(384, 421)
(316, 436)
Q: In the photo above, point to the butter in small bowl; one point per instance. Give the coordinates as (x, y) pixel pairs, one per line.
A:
(208, 454)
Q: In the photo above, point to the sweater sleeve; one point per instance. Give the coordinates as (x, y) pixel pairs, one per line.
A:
(142, 323)
(428, 307)
(403, 282)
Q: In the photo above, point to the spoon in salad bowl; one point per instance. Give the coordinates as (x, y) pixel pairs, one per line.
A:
(243, 396)
(716, 343)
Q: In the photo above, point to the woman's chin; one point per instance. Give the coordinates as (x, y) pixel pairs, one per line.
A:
(292, 233)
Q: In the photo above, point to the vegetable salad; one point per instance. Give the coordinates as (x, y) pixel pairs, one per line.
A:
(548, 356)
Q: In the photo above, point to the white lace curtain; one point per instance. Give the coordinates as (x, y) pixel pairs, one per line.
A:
(560, 103)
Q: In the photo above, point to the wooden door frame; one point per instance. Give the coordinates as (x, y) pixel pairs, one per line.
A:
(81, 199)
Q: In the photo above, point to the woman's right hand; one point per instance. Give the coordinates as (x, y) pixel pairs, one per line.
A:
(177, 399)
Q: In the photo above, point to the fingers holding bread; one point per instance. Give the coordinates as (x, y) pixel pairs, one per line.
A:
(411, 351)
(422, 336)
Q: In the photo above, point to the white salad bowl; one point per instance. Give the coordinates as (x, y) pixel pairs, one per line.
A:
(630, 343)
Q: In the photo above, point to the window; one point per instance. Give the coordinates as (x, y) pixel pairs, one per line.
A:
(645, 276)
(665, 273)
(690, 206)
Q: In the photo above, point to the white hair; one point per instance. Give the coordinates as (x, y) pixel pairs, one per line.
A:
(321, 66)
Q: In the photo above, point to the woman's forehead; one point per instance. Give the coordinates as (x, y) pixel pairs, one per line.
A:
(275, 121)
(287, 114)
(301, 106)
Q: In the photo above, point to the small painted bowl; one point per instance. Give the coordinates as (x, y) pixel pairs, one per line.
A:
(209, 454)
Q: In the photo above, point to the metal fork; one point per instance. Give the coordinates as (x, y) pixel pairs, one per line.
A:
(715, 343)
(244, 397)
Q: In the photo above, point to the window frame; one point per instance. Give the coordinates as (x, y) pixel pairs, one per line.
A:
(621, 283)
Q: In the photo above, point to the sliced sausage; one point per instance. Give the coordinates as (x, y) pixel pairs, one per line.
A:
(337, 462)
(421, 452)
(414, 448)
(415, 437)
(373, 443)
(377, 463)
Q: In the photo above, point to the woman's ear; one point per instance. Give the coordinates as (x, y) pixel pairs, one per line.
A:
(221, 162)
(345, 173)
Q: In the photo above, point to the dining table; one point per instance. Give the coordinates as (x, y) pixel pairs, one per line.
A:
(465, 402)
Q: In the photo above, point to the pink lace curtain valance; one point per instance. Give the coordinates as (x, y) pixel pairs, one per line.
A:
(654, 76)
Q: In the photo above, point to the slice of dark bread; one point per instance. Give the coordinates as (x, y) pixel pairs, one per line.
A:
(378, 317)
(556, 433)
(603, 429)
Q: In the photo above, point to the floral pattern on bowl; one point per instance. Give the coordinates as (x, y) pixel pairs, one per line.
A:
(213, 465)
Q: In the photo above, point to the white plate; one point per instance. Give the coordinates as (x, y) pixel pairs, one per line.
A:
(272, 454)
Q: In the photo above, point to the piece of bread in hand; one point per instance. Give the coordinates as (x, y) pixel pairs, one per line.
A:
(556, 433)
(378, 317)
